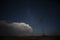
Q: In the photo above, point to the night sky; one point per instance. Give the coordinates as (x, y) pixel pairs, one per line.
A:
(41, 15)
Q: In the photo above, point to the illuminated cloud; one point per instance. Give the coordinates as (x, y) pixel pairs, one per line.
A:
(21, 26)
(14, 28)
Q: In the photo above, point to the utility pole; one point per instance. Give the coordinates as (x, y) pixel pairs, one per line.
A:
(42, 23)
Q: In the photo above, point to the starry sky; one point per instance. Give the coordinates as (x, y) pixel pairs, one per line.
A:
(41, 15)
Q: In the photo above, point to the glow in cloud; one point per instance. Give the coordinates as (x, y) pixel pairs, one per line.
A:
(21, 26)
(14, 28)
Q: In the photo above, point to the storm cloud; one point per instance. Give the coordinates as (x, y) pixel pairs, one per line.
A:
(15, 28)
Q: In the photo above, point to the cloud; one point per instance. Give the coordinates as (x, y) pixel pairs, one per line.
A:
(14, 28)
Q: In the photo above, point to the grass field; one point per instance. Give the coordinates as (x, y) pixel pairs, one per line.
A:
(29, 37)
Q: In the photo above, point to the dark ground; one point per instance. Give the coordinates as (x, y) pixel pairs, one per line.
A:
(29, 37)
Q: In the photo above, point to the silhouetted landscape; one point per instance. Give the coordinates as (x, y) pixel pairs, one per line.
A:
(30, 37)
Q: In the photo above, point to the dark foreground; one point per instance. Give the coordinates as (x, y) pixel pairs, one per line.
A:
(29, 37)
